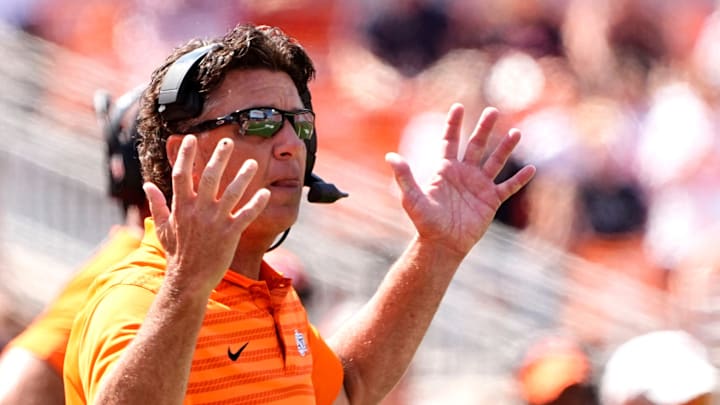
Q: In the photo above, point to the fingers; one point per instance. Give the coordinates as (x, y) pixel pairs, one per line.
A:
(496, 161)
(213, 172)
(403, 175)
(182, 182)
(158, 205)
(248, 212)
(234, 191)
(512, 185)
(452, 131)
(209, 183)
(475, 150)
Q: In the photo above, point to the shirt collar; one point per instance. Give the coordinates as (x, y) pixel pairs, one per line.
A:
(268, 275)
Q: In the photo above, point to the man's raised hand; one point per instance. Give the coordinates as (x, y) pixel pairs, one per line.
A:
(458, 204)
(201, 231)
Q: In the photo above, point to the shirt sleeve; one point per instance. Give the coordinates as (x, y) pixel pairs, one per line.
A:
(327, 372)
(106, 330)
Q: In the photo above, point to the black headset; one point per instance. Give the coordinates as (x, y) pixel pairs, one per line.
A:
(179, 98)
(120, 134)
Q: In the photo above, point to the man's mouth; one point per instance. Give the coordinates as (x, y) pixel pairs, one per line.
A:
(286, 183)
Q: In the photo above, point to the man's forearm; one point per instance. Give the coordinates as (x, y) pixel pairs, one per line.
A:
(155, 366)
(377, 345)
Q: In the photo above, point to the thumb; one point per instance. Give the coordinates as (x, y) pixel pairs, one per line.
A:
(158, 205)
(403, 175)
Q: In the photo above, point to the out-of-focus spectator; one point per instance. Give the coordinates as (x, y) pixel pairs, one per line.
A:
(457, 76)
(31, 366)
(540, 94)
(515, 82)
(613, 244)
(408, 34)
(529, 26)
(613, 46)
(679, 171)
(555, 370)
(594, 208)
(584, 30)
(634, 31)
(668, 367)
(552, 144)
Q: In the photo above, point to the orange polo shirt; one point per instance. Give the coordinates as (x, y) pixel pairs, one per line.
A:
(47, 336)
(255, 344)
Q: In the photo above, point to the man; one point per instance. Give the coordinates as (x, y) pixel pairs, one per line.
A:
(31, 366)
(195, 315)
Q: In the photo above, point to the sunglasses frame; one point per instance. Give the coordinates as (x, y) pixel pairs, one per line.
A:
(242, 118)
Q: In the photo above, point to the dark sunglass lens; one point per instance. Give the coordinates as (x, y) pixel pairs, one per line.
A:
(262, 122)
(266, 122)
(304, 130)
(304, 124)
(265, 129)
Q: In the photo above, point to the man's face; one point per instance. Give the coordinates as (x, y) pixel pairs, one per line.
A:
(281, 158)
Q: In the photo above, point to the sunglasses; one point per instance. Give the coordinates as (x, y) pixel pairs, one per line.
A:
(264, 122)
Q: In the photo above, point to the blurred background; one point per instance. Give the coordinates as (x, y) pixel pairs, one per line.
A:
(617, 100)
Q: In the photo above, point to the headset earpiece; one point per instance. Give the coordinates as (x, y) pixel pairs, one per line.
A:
(179, 98)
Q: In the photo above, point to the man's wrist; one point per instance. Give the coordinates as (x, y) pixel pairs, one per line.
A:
(440, 249)
(185, 290)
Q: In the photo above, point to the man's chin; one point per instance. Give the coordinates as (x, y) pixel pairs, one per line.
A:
(274, 220)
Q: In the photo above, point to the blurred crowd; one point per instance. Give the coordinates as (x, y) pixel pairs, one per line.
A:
(617, 101)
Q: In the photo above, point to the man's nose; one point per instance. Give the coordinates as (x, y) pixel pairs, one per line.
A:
(287, 142)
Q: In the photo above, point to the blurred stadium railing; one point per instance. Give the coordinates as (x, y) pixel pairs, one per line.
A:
(54, 211)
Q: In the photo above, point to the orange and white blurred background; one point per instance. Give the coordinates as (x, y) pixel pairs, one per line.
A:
(617, 100)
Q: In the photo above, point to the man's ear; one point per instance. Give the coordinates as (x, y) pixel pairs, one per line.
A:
(172, 148)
